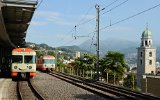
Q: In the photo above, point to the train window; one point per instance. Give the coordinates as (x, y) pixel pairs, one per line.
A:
(29, 59)
(48, 61)
(16, 59)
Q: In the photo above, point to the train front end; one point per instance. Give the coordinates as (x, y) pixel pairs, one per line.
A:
(49, 63)
(23, 63)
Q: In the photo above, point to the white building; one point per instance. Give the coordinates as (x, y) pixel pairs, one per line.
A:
(78, 54)
(146, 62)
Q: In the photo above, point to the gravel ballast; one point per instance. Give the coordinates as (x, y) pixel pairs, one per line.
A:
(55, 89)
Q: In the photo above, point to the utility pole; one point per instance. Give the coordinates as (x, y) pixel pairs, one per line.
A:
(97, 44)
(57, 69)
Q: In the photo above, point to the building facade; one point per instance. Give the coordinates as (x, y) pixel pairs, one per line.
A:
(146, 62)
(78, 54)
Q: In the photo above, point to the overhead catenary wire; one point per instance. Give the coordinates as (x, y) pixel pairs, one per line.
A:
(92, 40)
(39, 4)
(126, 19)
(117, 22)
(131, 16)
(69, 42)
(74, 34)
(61, 40)
(108, 11)
(115, 7)
(109, 5)
(81, 23)
(104, 12)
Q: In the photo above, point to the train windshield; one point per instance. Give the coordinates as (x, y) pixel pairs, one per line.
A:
(17, 59)
(29, 59)
(48, 61)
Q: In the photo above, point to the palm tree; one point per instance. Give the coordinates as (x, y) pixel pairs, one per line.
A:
(89, 61)
(129, 81)
(114, 64)
(78, 66)
(84, 65)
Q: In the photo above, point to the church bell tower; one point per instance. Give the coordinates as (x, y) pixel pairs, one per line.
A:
(146, 62)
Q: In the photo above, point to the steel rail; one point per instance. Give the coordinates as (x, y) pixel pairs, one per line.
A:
(112, 88)
(121, 89)
(38, 95)
(35, 92)
(19, 92)
(112, 94)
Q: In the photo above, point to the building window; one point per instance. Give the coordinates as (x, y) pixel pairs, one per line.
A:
(149, 42)
(150, 54)
(152, 72)
(141, 62)
(141, 54)
(150, 62)
(146, 43)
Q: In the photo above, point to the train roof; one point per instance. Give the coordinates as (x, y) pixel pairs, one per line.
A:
(23, 50)
(48, 56)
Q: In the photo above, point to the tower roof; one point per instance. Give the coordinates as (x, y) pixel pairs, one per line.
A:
(147, 34)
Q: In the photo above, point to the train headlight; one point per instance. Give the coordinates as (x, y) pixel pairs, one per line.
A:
(15, 67)
(30, 67)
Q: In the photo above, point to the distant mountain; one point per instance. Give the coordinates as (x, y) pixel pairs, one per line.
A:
(128, 48)
(39, 46)
(43, 45)
(73, 48)
(124, 46)
(67, 49)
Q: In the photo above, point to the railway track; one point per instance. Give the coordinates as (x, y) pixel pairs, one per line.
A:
(105, 90)
(140, 95)
(27, 92)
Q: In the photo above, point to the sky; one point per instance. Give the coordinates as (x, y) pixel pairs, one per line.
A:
(54, 21)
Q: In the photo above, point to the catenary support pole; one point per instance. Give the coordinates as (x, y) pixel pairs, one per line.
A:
(97, 44)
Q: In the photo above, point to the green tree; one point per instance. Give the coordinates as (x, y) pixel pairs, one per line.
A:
(52, 53)
(84, 66)
(130, 81)
(60, 65)
(39, 54)
(78, 63)
(114, 65)
(89, 61)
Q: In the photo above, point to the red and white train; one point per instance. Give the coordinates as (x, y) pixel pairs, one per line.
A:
(46, 63)
(23, 63)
